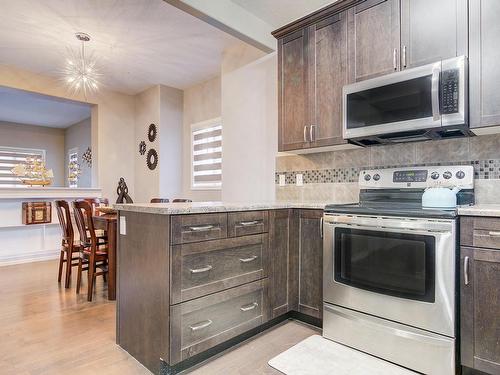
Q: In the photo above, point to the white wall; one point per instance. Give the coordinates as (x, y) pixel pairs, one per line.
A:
(112, 126)
(147, 111)
(250, 131)
(29, 136)
(201, 103)
(78, 136)
(170, 138)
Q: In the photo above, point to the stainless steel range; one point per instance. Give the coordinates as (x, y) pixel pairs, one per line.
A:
(390, 268)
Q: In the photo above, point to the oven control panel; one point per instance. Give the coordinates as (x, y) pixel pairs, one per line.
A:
(418, 177)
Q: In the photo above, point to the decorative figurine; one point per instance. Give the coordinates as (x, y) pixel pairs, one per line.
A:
(122, 191)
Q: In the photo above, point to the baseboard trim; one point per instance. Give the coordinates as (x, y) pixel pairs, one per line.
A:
(39, 256)
(166, 369)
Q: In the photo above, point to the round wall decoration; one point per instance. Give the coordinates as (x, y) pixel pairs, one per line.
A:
(152, 159)
(142, 148)
(152, 132)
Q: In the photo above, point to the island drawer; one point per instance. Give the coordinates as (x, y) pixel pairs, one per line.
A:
(247, 222)
(205, 322)
(480, 232)
(207, 267)
(198, 227)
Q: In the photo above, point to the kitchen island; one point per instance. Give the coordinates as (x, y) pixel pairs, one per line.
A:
(197, 278)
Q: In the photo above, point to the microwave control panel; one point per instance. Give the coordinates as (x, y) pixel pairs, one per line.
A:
(449, 91)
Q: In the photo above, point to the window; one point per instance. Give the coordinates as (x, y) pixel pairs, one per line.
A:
(12, 156)
(206, 155)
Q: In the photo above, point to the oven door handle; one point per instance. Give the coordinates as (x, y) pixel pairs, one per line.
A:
(409, 226)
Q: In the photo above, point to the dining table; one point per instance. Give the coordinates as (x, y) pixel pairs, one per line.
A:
(108, 223)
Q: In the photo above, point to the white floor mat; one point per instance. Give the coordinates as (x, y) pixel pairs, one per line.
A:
(319, 356)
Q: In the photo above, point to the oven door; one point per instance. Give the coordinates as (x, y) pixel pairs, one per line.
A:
(405, 101)
(393, 268)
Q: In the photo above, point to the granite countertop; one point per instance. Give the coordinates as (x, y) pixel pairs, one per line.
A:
(207, 207)
(480, 210)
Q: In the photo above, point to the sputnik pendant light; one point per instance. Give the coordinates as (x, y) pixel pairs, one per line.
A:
(80, 71)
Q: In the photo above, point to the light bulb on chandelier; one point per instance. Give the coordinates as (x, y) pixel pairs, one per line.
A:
(80, 71)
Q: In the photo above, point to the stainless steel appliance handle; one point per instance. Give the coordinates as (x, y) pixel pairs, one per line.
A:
(201, 325)
(466, 271)
(248, 260)
(201, 228)
(201, 270)
(312, 133)
(435, 94)
(399, 224)
(305, 133)
(249, 307)
(395, 59)
(404, 57)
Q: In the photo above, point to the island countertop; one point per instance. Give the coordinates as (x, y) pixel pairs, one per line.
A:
(209, 207)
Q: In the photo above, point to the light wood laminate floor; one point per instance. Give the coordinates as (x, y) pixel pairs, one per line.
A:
(46, 329)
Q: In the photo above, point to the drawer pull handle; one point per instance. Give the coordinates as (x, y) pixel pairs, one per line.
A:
(201, 325)
(202, 228)
(249, 223)
(466, 271)
(249, 307)
(250, 259)
(494, 234)
(201, 270)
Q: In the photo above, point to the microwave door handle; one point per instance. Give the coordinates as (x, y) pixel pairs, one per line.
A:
(435, 94)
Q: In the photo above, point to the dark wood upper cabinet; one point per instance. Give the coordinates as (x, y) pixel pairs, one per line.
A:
(312, 69)
(432, 30)
(374, 39)
(329, 72)
(484, 54)
(480, 309)
(293, 91)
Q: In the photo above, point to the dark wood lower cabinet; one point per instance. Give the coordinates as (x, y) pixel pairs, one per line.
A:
(480, 309)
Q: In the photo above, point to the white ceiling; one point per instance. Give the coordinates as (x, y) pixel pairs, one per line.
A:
(35, 109)
(139, 43)
(278, 13)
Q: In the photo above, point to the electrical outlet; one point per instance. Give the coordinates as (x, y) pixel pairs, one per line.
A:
(282, 180)
(299, 180)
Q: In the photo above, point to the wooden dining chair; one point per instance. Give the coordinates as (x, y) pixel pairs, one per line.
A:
(93, 254)
(69, 246)
(160, 200)
(178, 200)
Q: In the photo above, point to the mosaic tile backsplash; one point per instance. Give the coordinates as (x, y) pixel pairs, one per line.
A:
(333, 175)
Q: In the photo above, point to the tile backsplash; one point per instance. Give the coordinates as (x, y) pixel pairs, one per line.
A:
(332, 176)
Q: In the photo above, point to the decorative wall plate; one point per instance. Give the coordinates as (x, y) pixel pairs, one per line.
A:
(152, 159)
(142, 148)
(152, 132)
(87, 157)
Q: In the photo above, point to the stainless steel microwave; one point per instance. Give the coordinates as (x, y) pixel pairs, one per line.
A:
(427, 102)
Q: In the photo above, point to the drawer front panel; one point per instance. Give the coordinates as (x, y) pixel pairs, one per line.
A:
(199, 269)
(480, 232)
(205, 322)
(196, 228)
(248, 222)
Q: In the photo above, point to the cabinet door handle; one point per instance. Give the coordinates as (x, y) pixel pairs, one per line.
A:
(466, 271)
(201, 228)
(249, 307)
(404, 57)
(321, 228)
(201, 270)
(395, 58)
(249, 223)
(305, 133)
(494, 234)
(312, 133)
(248, 260)
(201, 325)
